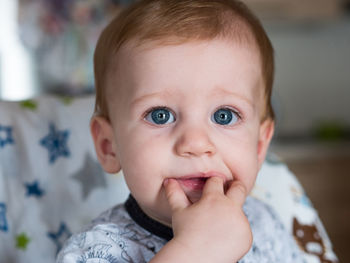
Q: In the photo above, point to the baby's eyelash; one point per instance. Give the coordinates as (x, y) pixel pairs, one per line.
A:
(155, 108)
(235, 111)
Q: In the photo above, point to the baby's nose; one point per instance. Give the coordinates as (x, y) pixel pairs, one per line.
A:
(194, 142)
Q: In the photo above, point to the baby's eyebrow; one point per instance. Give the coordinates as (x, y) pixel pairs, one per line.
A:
(223, 92)
(162, 94)
(168, 94)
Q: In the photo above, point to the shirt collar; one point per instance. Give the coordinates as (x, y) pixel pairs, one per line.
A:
(143, 220)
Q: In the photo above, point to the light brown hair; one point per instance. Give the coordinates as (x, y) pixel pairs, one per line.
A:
(176, 22)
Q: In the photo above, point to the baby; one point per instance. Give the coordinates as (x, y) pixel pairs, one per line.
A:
(183, 108)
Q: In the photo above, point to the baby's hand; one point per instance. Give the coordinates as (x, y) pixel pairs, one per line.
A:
(214, 229)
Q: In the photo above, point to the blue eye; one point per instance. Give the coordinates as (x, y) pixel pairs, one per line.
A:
(225, 116)
(160, 116)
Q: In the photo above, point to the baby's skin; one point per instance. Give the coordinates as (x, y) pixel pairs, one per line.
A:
(187, 130)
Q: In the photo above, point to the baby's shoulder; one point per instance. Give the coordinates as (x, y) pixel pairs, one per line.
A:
(100, 239)
(108, 237)
(113, 236)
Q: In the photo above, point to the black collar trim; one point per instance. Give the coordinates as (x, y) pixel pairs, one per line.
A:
(145, 221)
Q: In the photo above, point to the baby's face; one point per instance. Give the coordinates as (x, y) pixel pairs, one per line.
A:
(187, 112)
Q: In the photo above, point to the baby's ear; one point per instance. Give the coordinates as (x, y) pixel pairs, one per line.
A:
(105, 146)
(267, 128)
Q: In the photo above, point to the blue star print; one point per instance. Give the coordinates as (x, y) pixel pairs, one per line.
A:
(56, 143)
(3, 221)
(34, 189)
(5, 136)
(62, 234)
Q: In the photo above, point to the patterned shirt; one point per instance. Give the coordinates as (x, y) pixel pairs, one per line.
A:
(126, 234)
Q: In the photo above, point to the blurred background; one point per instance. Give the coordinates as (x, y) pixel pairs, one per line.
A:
(46, 47)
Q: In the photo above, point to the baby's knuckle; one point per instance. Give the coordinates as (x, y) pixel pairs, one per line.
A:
(212, 198)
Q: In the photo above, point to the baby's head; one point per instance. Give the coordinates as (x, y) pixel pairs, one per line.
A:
(183, 91)
(176, 22)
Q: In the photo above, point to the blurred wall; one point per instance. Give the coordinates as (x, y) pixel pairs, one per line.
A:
(312, 85)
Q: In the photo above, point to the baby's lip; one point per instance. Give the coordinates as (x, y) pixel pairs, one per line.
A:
(196, 181)
(193, 184)
(204, 175)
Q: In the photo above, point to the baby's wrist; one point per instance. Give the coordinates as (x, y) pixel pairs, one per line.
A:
(197, 251)
(174, 252)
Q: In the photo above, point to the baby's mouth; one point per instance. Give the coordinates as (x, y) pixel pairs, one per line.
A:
(196, 181)
(193, 187)
(192, 184)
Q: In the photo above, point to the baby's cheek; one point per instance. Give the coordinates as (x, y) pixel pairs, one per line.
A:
(243, 167)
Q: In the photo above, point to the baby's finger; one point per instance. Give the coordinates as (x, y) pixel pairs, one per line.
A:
(213, 185)
(176, 197)
(237, 192)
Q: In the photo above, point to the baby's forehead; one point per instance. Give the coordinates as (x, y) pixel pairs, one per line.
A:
(134, 58)
(235, 30)
(136, 48)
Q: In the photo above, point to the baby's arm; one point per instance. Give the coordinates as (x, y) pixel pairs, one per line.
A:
(214, 229)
